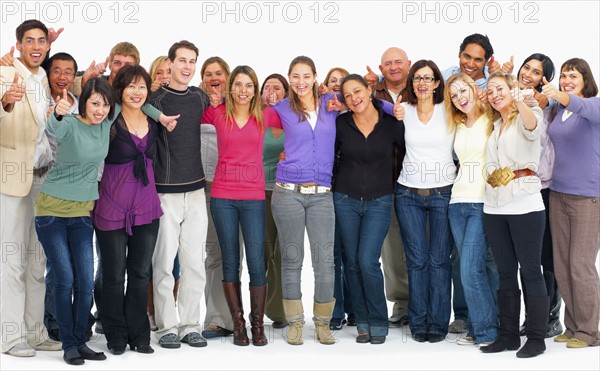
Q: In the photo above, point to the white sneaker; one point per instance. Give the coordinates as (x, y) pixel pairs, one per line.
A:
(466, 341)
(49, 345)
(22, 350)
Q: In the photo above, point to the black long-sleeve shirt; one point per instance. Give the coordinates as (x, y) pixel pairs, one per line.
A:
(364, 166)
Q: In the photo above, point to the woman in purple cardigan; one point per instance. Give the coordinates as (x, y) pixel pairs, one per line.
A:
(574, 200)
(126, 216)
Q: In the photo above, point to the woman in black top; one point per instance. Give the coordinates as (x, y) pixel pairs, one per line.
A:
(363, 187)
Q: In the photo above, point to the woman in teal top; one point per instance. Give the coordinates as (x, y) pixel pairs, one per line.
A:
(273, 89)
(63, 208)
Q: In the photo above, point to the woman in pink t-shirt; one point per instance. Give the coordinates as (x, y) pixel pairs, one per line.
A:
(238, 195)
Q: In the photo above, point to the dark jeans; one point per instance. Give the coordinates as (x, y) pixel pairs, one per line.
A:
(228, 216)
(362, 226)
(341, 290)
(68, 245)
(124, 308)
(516, 240)
(427, 258)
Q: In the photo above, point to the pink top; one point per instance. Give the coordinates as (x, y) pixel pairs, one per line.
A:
(239, 174)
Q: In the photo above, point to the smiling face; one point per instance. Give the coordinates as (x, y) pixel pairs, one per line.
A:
(463, 96)
(394, 65)
(183, 68)
(357, 96)
(335, 79)
(96, 109)
(531, 74)
(214, 77)
(302, 79)
(424, 83)
(472, 61)
(33, 48)
(273, 85)
(498, 93)
(163, 73)
(571, 82)
(242, 89)
(135, 94)
(61, 76)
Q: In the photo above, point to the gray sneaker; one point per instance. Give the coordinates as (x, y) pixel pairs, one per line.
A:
(169, 341)
(458, 326)
(194, 339)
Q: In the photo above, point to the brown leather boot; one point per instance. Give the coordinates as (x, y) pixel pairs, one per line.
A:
(176, 289)
(258, 298)
(150, 307)
(233, 295)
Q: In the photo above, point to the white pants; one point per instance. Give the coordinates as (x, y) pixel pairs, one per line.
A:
(182, 230)
(23, 266)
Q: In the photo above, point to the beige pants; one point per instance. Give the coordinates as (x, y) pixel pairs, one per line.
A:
(23, 266)
(575, 226)
(182, 230)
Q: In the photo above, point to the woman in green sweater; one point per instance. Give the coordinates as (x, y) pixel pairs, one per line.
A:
(63, 207)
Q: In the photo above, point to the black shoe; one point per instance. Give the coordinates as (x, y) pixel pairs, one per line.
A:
(284, 324)
(435, 338)
(336, 323)
(363, 338)
(144, 348)
(55, 335)
(99, 329)
(398, 320)
(90, 355)
(421, 337)
(377, 339)
(351, 320)
(532, 348)
(73, 358)
(117, 351)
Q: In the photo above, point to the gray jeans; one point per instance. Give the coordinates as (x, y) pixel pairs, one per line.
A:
(293, 212)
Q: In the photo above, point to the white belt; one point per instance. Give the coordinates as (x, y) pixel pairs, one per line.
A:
(305, 190)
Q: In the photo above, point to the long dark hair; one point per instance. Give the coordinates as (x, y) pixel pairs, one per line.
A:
(547, 68)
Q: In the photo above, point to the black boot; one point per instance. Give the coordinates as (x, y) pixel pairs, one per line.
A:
(554, 326)
(509, 306)
(523, 328)
(537, 324)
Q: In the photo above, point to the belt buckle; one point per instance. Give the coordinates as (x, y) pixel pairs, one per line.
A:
(307, 190)
(423, 192)
(501, 177)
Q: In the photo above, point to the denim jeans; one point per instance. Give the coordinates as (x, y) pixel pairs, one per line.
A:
(229, 216)
(68, 244)
(293, 212)
(427, 258)
(49, 310)
(124, 308)
(362, 226)
(341, 291)
(466, 222)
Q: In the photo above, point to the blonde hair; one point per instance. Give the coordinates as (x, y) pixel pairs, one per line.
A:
(155, 65)
(510, 81)
(127, 49)
(456, 116)
(255, 103)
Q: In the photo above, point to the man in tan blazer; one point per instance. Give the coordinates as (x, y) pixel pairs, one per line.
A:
(25, 154)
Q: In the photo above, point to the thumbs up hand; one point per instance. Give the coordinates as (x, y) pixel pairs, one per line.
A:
(8, 58)
(399, 109)
(548, 90)
(62, 104)
(15, 93)
(334, 104)
(507, 67)
(371, 77)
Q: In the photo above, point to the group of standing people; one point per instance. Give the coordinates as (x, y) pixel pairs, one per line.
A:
(462, 158)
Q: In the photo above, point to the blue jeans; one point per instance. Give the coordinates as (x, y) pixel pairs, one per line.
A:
(427, 258)
(341, 291)
(293, 213)
(229, 216)
(466, 222)
(362, 227)
(68, 244)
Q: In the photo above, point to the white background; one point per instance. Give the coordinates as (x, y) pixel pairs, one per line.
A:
(349, 34)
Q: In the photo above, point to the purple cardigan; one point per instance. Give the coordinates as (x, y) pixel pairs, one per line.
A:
(577, 148)
(309, 154)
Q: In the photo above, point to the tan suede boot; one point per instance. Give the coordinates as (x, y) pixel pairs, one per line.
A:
(322, 315)
(294, 314)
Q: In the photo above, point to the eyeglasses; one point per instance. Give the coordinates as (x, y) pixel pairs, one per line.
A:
(58, 72)
(425, 78)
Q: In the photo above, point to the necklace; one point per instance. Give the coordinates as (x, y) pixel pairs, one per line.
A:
(136, 125)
